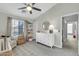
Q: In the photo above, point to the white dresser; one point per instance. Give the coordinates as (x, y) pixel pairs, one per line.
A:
(45, 38)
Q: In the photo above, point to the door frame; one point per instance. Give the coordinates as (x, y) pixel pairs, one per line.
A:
(70, 14)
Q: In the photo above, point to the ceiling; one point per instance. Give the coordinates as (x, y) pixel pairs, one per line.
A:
(12, 8)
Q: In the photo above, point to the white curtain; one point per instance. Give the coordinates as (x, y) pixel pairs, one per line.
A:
(25, 29)
(9, 19)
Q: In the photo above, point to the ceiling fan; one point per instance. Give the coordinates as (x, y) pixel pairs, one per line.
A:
(29, 7)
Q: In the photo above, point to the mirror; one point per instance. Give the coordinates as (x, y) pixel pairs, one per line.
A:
(45, 25)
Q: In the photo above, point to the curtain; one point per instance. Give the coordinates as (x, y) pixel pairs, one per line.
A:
(9, 23)
(9, 19)
(25, 29)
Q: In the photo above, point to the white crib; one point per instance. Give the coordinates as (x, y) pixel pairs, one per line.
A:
(5, 45)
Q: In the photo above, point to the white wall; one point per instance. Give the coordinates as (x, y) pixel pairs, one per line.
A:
(78, 35)
(3, 23)
(54, 15)
(35, 28)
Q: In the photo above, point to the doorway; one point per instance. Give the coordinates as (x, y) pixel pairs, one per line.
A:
(70, 31)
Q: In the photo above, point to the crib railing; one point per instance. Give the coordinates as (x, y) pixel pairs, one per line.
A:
(2, 44)
(5, 45)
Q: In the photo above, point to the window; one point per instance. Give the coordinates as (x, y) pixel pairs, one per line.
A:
(70, 28)
(21, 26)
(17, 27)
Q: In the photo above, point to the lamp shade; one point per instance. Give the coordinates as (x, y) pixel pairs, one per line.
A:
(51, 27)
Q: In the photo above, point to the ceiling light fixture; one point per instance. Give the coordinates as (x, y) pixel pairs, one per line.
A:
(29, 8)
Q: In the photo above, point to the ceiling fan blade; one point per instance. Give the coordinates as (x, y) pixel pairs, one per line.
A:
(30, 12)
(36, 8)
(24, 11)
(25, 3)
(22, 8)
(33, 3)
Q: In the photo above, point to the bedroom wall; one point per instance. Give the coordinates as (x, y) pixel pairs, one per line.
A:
(3, 23)
(78, 35)
(54, 15)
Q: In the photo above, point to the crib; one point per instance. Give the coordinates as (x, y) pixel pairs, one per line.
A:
(5, 47)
